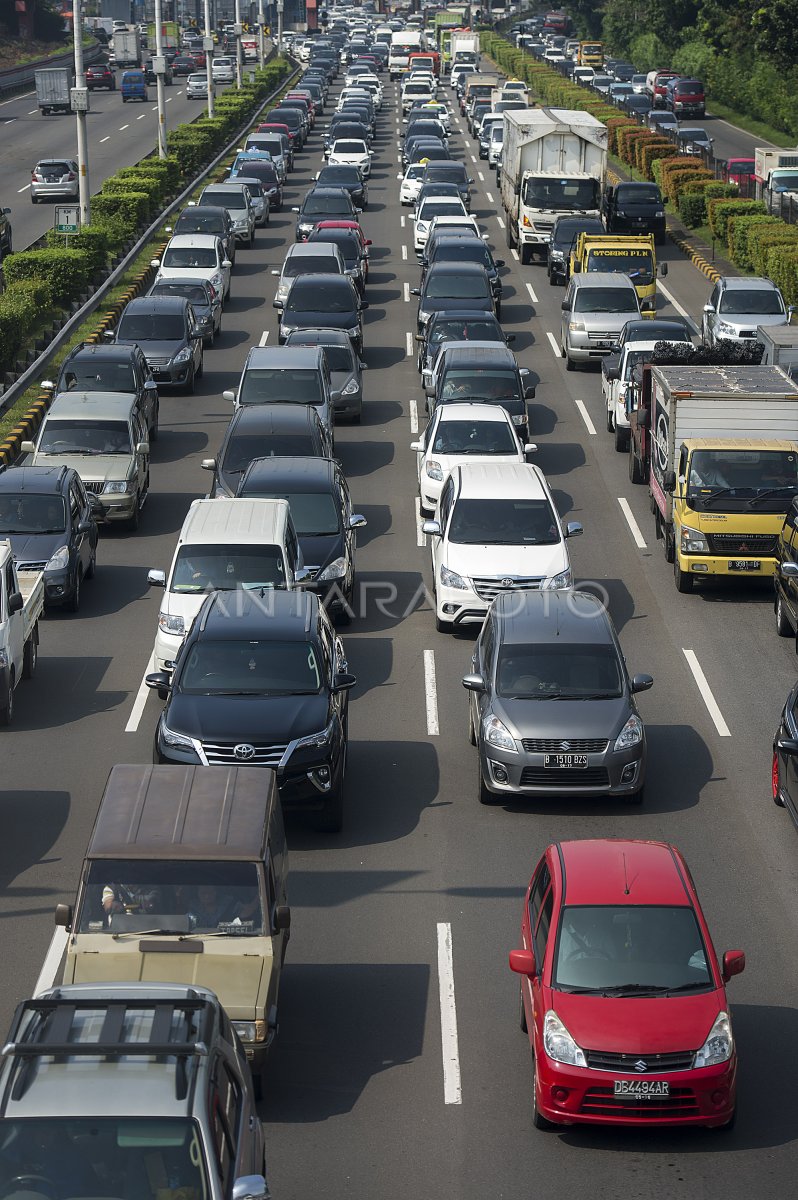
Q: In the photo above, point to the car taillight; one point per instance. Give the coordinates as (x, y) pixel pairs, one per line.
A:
(774, 775)
(71, 176)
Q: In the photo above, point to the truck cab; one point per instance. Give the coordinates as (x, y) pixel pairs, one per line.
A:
(626, 254)
(21, 606)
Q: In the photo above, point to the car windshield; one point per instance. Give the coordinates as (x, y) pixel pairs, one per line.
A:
(262, 385)
(304, 264)
(474, 437)
(232, 199)
(124, 896)
(243, 448)
(604, 300)
(252, 668)
(94, 375)
(196, 221)
(63, 436)
(459, 287)
(198, 80)
(440, 206)
(340, 174)
(503, 523)
(194, 292)
(347, 146)
(321, 297)
(27, 512)
(151, 327)
(203, 568)
(563, 671)
(641, 193)
(314, 513)
(465, 331)
(765, 302)
(190, 256)
(324, 204)
(480, 383)
(630, 950)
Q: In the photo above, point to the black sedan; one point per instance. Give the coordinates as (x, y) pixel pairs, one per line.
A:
(321, 509)
(183, 64)
(206, 303)
(323, 204)
(453, 286)
(273, 678)
(324, 302)
(340, 175)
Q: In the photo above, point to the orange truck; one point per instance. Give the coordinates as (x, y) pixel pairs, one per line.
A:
(427, 60)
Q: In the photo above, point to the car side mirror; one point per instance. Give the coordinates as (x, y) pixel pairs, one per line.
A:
(294, 208)
(85, 527)
(669, 481)
(343, 681)
(788, 570)
(708, 308)
(530, 448)
(160, 682)
(275, 272)
(277, 304)
(433, 528)
(498, 262)
(282, 918)
(109, 335)
(47, 385)
(509, 338)
(28, 447)
(357, 521)
(642, 683)
(229, 395)
(415, 291)
(418, 447)
(474, 683)
(733, 964)
(250, 1187)
(142, 447)
(15, 602)
(364, 305)
(226, 263)
(663, 270)
(522, 962)
(573, 529)
(63, 915)
(156, 578)
(208, 464)
(566, 306)
(155, 262)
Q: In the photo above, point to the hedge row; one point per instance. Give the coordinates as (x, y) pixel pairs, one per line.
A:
(129, 200)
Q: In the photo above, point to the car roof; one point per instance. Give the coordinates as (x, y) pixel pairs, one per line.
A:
(208, 210)
(623, 872)
(746, 283)
(542, 617)
(473, 412)
(470, 354)
(33, 479)
(486, 481)
(114, 406)
(156, 304)
(286, 358)
(290, 613)
(266, 418)
(105, 351)
(597, 279)
(300, 472)
(199, 241)
(311, 250)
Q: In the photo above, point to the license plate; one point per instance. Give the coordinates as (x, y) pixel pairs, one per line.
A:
(745, 564)
(604, 345)
(565, 760)
(641, 1089)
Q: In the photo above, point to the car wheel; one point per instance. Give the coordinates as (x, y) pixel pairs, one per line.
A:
(538, 1120)
(498, 310)
(636, 797)
(91, 569)
(133, 522)
(610, 421)
(34, 199)
(522, 1014)
(443, 626)
(570, 365)
(331, 817)
(472, 737)
(153, 430)
(188, 386)
(683, 580)
(73, 604)
(729, 1125)
(7, 710)
(201, 370)
(208, 340)
(485, 795)
(621, 439)
(783, 626)
(30, 655)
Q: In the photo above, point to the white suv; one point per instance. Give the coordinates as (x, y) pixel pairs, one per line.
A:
(496, 530)
(737, 306)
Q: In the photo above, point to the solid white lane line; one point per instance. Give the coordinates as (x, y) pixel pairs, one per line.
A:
(413, 406)
(481, 177)
(180, 93)
(10, 121)
(154, 108)
(634, 528)
(473, 158)
(14, 99)
(105, 139)
(591, 428)
(403, 222)
(706, 693)
(490, 197)
(407, 292)
(23, 189)
(532, 295)
(52, 960)
(168, 99)
(404, 253)
(553, 344)
(141, 699)
(431, 693)
(452, 1090)
(501, 221)
(681, 311)
(123, 127)
(409, 343)
(32, 111)
(264, 337)
(421, 537)
(141, 118)
(515, 254)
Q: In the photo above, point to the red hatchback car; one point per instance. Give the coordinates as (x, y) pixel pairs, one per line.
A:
(621, 992)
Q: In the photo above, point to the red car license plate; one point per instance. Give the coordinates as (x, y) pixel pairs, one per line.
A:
(565, 760)
(745, 564)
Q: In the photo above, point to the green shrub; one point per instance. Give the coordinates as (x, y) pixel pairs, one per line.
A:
(131, 208)
(614, 125)
(692, 209)
(115, 228)
(65, 271)
(676, 174)
(764, 238)
(91, 239)
(22, 304)
(719, 211)
(136, 179)
(658, 147)
(739, 230)
(782, 267)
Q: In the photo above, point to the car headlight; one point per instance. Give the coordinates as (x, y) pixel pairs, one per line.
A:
(60, 560)
(719, 1045)
(558, 1043)
(452, 579)
(183, 355)
(434, 471)
(3, 659)
(725, 330)
(423, 316)
(660, 212)
(563, 580)
(250, 1031)
(519, 418)
(630, 735)
(497, 734)
(316, 739)
(576, 326)
(178, 741)
(171, 624)
(558, 254)
(116, 486)
(693, 541)
(335, 570)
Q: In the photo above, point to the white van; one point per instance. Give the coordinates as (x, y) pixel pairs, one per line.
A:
(224, 545)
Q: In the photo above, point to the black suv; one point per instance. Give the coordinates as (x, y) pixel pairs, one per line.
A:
(51, 521)
(262, 679)
(111, 368)
(263, 431)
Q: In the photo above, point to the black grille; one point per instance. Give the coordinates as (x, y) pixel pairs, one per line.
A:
(555, 745)
(601, 1102)
(746, 545)
(94, 486)
(582, 777)
(656, 1064)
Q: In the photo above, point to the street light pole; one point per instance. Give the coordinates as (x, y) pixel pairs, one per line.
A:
(80, 96)
(261, 23)
(159, 67)
(280, 7)
(238, 44)
(207, 43)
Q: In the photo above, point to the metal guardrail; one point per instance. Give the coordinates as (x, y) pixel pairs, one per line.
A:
(13, 79)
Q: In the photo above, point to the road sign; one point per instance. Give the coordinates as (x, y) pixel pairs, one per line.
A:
(67, 218)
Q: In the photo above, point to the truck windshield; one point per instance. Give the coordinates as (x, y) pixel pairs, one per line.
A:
(121, 895)
(27, 512)
(784, 183)
(756, 480)
(578, 195)
(636, 264)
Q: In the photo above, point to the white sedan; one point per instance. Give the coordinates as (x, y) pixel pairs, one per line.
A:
(459, 433)
(435, 206)
(351, 152)
(411, 183)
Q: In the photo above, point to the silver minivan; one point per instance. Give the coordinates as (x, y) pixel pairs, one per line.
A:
(236, 198)
(596, 307)
(288, 375)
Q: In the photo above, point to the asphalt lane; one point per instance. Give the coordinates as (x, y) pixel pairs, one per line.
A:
(356, 1096)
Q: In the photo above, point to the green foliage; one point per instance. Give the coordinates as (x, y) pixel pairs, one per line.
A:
(739, 229)
(719, 211)
(92, 240)
(692, 209)
(694, 196)
(781, 265)
(21, 306)
(130, 208)
(766, 238)
(66, 272)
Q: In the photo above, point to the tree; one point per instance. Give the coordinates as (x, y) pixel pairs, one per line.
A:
(774, 29)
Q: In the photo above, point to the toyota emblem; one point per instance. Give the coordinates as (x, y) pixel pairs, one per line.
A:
(507, 583)
(244, 751)
(641, 1065)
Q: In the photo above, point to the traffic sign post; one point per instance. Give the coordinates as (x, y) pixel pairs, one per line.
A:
(67, 219)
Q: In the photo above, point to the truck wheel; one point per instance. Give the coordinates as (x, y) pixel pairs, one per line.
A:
(636, 473)
(30, 656)
(508, 236)
(668, 544)
(525, 254)
(783, 626)
(133, 522)
(124, 99)
(683, 580)
(621, 439)
(7, 710)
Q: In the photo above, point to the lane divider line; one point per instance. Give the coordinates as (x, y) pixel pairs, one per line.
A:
(105, 139)
(585, 415)
(431, 693)
(452, 1087)
(141, 699)
(264, 337)
(532, 295)
(515, 254)
(481, 177)
(634, 528)
(553, 344)
(413, 407)
(490, 197)
(123, 127)
(706, 693)
(403, 220)
(404, 253)
(409, 344)
(406, 287)
(501, 222)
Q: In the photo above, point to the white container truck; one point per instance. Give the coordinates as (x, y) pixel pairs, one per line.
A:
(52, 89)
(21, 606)
(403, 44)
(464, 48)
(127, 48)
(553, 164)
(776, 175)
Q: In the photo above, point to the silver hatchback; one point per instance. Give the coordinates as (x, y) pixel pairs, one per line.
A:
(54, 178)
